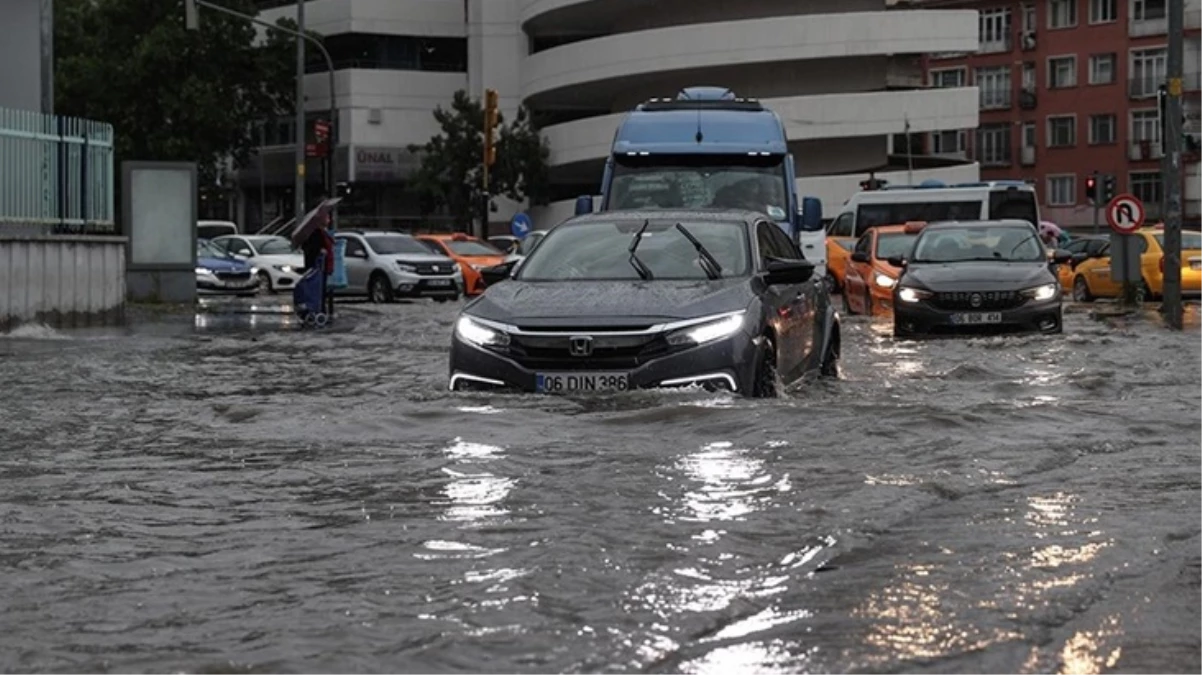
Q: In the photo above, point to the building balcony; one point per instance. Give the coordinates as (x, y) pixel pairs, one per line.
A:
(1146, 27)
(996, 46)
(1140, 151)
(996, 101)
(1027, 156)
(1144, 86)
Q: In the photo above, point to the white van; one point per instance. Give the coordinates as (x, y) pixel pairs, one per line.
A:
(211, 229)
(965, 201)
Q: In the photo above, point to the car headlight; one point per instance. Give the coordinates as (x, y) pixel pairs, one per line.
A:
(709, 331)
(479, 334)
(479, 266)
(204, 270)
(286, 269)
(913, 294)
(1044, 292)
(885, 281)
(402, 267)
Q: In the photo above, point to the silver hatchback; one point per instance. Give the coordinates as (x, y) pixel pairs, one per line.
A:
(389, 265)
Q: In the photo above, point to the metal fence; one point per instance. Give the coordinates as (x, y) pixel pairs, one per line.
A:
(56, 172)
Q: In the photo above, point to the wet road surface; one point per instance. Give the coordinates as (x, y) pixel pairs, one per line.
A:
(227, 497)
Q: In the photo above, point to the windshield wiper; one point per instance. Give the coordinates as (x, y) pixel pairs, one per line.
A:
(638, 265)
(713, 270)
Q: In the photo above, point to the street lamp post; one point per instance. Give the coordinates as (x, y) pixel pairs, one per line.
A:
(193, 24)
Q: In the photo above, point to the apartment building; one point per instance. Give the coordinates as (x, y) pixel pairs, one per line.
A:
(1068, 87)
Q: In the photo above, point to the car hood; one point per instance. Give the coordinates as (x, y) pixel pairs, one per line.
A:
(607, 303)
(984, 276)
(223, 264)
(418, 258)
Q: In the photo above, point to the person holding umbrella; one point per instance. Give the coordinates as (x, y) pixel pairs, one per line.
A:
(312, 235)
(1053, 235)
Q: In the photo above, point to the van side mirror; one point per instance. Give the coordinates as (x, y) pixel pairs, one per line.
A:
(811, 214)
(584, 205)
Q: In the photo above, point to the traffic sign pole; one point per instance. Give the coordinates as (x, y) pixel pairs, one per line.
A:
(1171, 167)
(1125, 215)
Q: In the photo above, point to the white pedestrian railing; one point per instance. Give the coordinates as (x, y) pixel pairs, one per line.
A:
(56, 172)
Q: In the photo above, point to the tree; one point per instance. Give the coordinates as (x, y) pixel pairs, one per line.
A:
(449, 176)
(171, 94)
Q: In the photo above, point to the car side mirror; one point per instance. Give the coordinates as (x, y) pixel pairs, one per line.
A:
(860, 257)
(788, 272)
(584, 205)
(897, 261)
(1060, 256)
(497, 273)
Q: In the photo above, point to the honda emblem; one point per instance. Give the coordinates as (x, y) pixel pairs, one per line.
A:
(580, 346)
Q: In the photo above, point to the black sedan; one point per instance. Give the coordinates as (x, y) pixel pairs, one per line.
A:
(977, 277)
(631, 300)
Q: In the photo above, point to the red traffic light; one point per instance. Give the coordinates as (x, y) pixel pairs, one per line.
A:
(1091, 181)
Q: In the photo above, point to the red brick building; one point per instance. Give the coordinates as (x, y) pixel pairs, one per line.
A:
(1068, 87)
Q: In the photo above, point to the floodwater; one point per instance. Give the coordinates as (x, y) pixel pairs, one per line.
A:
(221, 497)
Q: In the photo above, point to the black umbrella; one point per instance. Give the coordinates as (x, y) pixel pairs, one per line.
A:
(313, 220)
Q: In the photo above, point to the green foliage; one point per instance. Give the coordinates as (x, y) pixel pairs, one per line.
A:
(449, 177)
(171, 94)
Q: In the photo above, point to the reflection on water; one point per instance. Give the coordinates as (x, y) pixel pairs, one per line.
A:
(1086, 652)
(750, 657)
(733, 484)
(474, 496)
(1049, 511)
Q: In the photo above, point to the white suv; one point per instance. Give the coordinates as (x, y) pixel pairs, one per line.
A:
(388, 265)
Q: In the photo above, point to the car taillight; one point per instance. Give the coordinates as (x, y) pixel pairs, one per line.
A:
(1162, 264)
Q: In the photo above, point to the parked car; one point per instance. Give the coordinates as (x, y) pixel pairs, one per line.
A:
(279, 265)
(218, 273)
(1091, 276)
(622, 300)
(471, 253)
(211, 229)
(388, 265)
(979, 276)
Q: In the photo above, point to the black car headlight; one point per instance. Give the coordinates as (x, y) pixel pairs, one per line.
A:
(911, 294)
(716, 328)
(477, 333)
(1044, 292)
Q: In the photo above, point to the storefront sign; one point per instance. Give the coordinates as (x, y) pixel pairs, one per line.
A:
(374, 164)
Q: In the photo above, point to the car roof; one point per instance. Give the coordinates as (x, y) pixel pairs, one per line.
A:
(687, 215)
(890, 229)
(957, 224)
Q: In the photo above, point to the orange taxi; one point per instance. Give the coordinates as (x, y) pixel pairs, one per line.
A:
(472, 255)
(1091, 278)
(838, 256)
(868, 288)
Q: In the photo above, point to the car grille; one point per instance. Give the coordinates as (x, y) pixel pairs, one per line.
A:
(978, 300)
(433, 269)
(608, 352)
(234, 276)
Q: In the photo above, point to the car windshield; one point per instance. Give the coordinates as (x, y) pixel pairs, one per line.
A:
(272, 246)
(1190, 241)
(205, 249)
(530, 243)
(714, 181)
(471, 248)
(889, 245)
(600, 251)
(395, 243)
(872, 215)
(1003, 243)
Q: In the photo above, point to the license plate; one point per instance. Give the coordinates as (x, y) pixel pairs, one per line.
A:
(551, 383)
(438, 282)
(976, 318)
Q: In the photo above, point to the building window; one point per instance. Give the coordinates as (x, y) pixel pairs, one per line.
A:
(1103, 11)
(1101, 68)
(1101, 129)
(949, 77)
(994, 84)
(1148, 71)
(995, 30)
(1062, 72)
(993, 145)
(1147, 186)
(1030, 23)
(1062, 190)
(1062, 13)
(1145, 126)
(1029, 77)
(949, 142)
(1029, 135)
(1062, 131)
(1148, 10)
(393, 52)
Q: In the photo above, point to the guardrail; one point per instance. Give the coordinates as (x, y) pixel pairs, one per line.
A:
(56, 172)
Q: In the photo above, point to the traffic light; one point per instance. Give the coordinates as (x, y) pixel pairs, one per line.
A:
(1107, 188)
(491, 117)
(1091, 188)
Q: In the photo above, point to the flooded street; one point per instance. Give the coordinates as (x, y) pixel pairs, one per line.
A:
(202, 498)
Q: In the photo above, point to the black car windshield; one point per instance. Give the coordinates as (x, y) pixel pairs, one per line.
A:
(888, 245)
(714, 181)
(272, 246)
(1002, 243)
(395, 243)
(471, 248)
(600, 251)
(1190, 241)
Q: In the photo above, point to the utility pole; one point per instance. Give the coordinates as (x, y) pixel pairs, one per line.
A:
(491, 117)
(1171, 167)
(299, 202)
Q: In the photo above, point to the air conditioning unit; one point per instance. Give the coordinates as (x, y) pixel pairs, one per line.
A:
(1027, 40)
(375, 116)
(1028, 156)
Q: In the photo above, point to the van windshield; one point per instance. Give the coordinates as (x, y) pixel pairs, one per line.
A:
(1013, 204)
(898, 213)
(700, 182)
